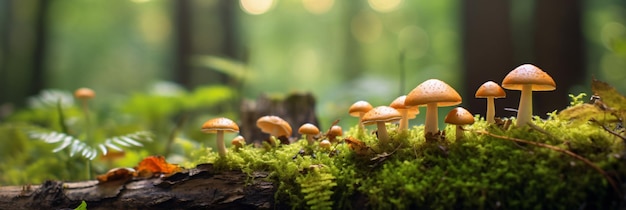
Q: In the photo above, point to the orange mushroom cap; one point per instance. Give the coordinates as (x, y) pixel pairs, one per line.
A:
(528, 74)
(84, 93)
(308, 129)
(398, 104)
(490, 89)
(459, 116)
(359, 107)
(433, 91)
(335, 130)
(381, 114)
(220, 123)
(274, 126)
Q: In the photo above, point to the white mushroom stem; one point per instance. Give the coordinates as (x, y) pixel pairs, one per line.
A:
(491, 110)
(361, 126)
(431, 124)
(459, 132)
(382, 132)
(221, 147)
(404, 122)
(309, 138)
(525, 109)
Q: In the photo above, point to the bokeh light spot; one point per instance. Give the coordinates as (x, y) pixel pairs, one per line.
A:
(256, 7)
(384, 5)
(318, 6)
(366, 27)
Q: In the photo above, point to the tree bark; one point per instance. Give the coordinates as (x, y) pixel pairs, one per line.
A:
(202, 187)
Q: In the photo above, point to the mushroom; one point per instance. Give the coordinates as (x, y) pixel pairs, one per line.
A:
(432, 93)
(219, 126)
(84, 94)
(527, 78)
(238, 142)
(309, 130)
(325, 144)
(274, 126)
(379, 116)
(407, 112)
(358, 109)
(459, 117)
(490, 90)
(334, 131)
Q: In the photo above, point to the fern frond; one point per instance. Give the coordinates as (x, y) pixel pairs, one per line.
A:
(77, 146)
(317, 188)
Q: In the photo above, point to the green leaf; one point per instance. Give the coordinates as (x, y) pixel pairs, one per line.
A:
(608, 95)
(82, 206)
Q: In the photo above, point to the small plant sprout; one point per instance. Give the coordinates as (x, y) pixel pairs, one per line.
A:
(490, 90)
(459, 117)
(527, 78)
(379, 116)
(432, 93)
(334, 131)
(238, 142)
(274, 126)
(219, 126)
(407, 112)
(358, 109)
(310, 131)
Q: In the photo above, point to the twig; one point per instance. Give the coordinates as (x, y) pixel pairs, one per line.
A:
(607, 129)
(567, 152)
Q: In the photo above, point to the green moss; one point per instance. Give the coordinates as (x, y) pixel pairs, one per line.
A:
(479, 172)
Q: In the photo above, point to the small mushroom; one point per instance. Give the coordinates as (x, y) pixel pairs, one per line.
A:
(84, 94)
(219, 126)
(459, 117)
(274, 126)
(432, 93)
(490, 90)
(309, 130)
(335, 131)
(238, 142)
(407, 112)
(379, 116)
(358, 109)
(325, 144)
(527, 78)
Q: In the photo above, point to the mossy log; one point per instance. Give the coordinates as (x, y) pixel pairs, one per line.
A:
(200, 188)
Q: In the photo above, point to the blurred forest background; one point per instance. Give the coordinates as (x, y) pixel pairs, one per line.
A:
(151, 60)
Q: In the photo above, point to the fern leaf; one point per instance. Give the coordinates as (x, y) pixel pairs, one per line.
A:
(66, 142)
(103, 149)
(109, 144)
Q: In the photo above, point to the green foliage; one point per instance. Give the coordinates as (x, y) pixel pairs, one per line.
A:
(480, 172)
(82, 206)
(577, 99)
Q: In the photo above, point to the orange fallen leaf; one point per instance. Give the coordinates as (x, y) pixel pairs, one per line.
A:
(155, 165)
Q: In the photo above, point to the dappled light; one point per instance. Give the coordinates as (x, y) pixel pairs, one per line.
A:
(256, 7)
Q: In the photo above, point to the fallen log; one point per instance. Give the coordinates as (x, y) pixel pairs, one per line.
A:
(202, 187)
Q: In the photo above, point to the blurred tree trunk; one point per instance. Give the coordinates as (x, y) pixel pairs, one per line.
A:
(490, 50)
(22, 63)
(182, 70)
(37, 77)
(487, 50)
(558, 46)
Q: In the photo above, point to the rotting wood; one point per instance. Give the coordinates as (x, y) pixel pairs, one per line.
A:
(202, 187)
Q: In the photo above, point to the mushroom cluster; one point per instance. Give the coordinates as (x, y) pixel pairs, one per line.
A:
(432, 93)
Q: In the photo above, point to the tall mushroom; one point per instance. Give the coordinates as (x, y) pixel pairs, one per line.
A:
(490, 90)
(274, 126)
(84, 94)
(309, 130)
(459, 117)
(379, 116)
(432, 93)
(407, 112)
(527, 78)
(219, 126)
(358, 109)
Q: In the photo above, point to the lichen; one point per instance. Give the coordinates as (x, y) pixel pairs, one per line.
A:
(477, 172)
